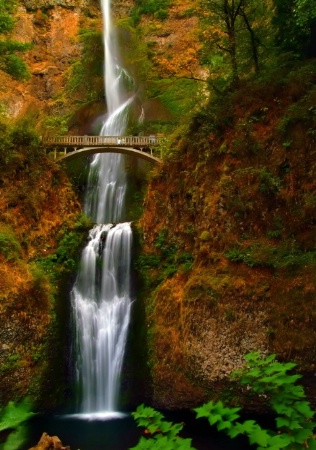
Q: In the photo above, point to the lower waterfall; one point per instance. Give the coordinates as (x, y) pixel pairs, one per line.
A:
(101, 307)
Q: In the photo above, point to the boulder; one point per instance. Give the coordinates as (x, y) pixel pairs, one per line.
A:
(49, 443)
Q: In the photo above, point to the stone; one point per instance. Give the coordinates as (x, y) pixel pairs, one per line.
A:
(49, 443)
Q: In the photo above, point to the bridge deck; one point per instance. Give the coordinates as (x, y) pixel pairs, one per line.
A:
(145, 147)
(97, 141)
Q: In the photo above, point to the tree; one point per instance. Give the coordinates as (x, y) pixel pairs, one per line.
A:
(295, 21)
(237, 29)
(221, 20)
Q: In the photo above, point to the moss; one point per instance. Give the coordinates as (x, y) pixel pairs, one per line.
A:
(205, 236)
(10, 248)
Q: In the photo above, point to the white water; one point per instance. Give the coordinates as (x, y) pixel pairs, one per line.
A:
(101, 295)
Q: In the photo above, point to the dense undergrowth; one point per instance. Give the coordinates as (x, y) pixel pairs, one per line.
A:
(263, 377)
(229, 226)
(41, 234)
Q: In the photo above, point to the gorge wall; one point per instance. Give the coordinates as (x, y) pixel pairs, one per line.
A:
(228, 234)
(227, 237)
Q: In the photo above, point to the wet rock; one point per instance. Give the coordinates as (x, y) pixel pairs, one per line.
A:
(49, 443)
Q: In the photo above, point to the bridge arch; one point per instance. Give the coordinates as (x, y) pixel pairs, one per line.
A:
(143, 154)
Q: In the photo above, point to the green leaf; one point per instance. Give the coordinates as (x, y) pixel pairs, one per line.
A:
(302, 435)
(260, 437)
(153, 428)
(312, 444)
(224, 425)
(304, 409)
(248, 426)
(165, 426)
(214, 418)
(15, 440)
(280, 441)
(13, 415)
(204, 410)
(282, 422)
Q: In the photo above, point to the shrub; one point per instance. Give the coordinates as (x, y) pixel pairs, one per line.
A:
(161, 14)
(24, 135)
(16, 67)
(265, 255)
(264, 377)
(9, 245)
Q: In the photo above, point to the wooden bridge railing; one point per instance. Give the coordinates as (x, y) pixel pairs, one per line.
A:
(97, 141)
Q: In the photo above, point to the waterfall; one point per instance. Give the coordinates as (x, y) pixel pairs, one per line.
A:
(101, 294)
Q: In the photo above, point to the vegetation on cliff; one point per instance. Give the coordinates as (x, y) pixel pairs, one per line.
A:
(10, 62)
(264, 377)
(229, 223)
(41, 231)
(228, 255)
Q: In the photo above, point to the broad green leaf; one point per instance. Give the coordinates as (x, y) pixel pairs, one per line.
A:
(304, 409)
(183, 444)
(16, 439)
(214, 418)
(300, 436)
(153, 428)
(282, 422)
(225, 425)
(143, 422)
(165, 426)
(280, 440)
(260, 437)
(142, 444)
(249, 426)
(174, 431)
(13, 415)
(312, 444)
(295, 425)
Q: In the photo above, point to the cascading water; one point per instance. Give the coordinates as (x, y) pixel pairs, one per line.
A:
(101, 295)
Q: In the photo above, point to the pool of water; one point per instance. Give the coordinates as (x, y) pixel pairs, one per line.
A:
(121, 433)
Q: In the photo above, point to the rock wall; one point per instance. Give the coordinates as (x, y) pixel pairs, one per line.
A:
(52, 27)
(228, 263)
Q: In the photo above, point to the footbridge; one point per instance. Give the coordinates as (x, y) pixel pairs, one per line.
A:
(68, 147)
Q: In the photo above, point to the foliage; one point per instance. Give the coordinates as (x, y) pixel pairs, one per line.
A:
(85, 76)
(24, 135)
(169, 259)
(267, 255)
(9, 61)
(165, 435)
(265, 377)
(9, 245)
(235, 35)
(66, 258)
(57, 125)
(158, 8)
(12, 419)
(268, 377)
(19, 143)
(16, 67)
(295, 21)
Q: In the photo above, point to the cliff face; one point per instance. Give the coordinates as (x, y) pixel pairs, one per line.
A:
(229, 241)
(228, 229)
(52, 27)
(38, 206)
